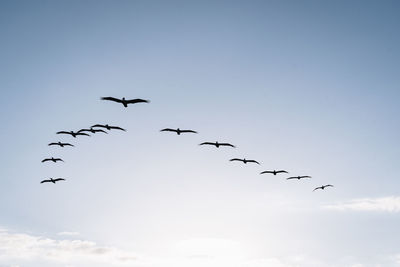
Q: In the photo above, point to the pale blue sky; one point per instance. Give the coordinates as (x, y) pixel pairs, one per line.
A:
(307, 86)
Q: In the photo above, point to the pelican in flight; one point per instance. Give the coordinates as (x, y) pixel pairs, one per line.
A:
(51, 180)
(322, 187)
(92, 130)
(72, 133)
(245, 161)
(108, 127)
(274, 172)
(216, 144)
(124, 101)
(52, 159)
(298, 177)
(177, 131)
(60, 144)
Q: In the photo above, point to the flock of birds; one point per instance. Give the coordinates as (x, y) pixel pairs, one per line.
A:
(100, 128)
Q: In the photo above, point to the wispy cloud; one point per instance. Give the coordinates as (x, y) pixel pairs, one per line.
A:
(19, 249)
(31, 250)
(68, 233)
(25, 247)
(384, 204)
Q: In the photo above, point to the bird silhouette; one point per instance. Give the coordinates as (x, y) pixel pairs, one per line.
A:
(245, 161)
(72, 133)
(298, 177)
(60, 144)
(52, 159)
(177, 131)
(108, 127)
(216, 144)
(51, 180)
(92, 130)
(274, 172)
(124, 101)
(322, 187)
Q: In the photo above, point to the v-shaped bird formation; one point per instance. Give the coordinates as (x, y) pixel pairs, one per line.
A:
(101, 128)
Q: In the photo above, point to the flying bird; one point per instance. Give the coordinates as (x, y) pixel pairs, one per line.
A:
(108, 127)
(60, 144)
(216, 144)
(245, 161)
(177, 131)
(92, 130)
(274, 172)
(52, 159)
(322, 187)
(124, 101)
(298, 177)
(51, 180)
(72, 133)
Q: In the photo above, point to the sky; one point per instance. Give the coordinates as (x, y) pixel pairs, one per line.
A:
(311, 87)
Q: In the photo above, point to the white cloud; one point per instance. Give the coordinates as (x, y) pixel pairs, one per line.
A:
(397, 259)
(209, 248)
(270, 262)
(19, 249)
(386, 204)
(16, 247)
(68, 233)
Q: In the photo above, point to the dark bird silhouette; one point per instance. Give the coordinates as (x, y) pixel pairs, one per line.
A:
(108, 127)
(60, 144)
(298, 177)
(245, 161)
(51, 180)
(177, 131)
(216, 144)
(322, 187)
(52, 159)
(92, 130)
(125, 102)
(274, 172)
(72, 133)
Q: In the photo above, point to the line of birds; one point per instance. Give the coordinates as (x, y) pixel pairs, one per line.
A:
(99, 128)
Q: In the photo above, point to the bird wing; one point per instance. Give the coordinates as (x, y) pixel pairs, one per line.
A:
(207, 143)
(96, 131)
(83, 130)
(52, 144)
(188, 131)
(137, 100)
(291, 178)
(235, 159)
(45, 181)
(168, 130)
(226, 144)
(45, 160)
(305, 176)
(99, 125)
(329, 185)
(58, 159)
(117, 128)
(58, 179)
(254, 161)
(319, 187)
(112, 99)
(78, 133)
(281, 171)
(63, 132)
(67, 144)
(266, 172)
